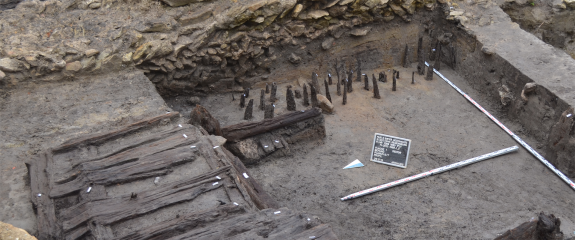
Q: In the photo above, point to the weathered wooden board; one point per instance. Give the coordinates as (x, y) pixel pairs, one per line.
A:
(88, 186)
(244, 130)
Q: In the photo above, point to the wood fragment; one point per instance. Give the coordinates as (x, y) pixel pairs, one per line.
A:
(420, 57)
(269, 112)
(327, 95)
(314, 102)
(262, 100)
(305, 96)
(291, 106)
(201, 117)
(243, 101)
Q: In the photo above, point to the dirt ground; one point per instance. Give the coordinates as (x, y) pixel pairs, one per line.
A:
(479, 201)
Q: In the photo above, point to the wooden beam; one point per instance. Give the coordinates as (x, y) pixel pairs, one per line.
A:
(244, 130)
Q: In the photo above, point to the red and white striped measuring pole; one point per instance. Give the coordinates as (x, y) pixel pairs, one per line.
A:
(517, 139)
(431, 172)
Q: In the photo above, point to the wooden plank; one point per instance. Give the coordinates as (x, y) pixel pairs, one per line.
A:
(93, 139)
(262, 224)
(112, 210)
(45, 211)
(149, 166)
(244, 130)
(257, 194)
(185, 223)
(100, 231)
(322, 232)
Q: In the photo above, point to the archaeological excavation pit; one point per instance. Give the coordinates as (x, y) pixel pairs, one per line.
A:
(144, 119)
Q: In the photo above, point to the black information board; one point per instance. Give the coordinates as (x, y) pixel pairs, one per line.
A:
(390, 150)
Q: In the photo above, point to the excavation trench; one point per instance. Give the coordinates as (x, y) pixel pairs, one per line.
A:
(443, 126)
(210, 53)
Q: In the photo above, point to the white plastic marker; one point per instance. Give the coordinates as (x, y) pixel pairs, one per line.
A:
(246, 175)
(89, 189)
(218, 177)
(278, 212)
(235, 203)
(216, 147)
(179, 125)
(214, 184)
(355, 164)
(185, 136)
(432, 172)
(517, 139)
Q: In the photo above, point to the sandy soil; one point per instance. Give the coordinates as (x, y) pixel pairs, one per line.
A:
(476, 202)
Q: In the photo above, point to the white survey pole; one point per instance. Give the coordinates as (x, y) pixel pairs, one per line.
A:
(431, 172)
(515, 137)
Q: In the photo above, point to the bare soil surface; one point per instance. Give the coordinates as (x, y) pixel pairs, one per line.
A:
(479, 201)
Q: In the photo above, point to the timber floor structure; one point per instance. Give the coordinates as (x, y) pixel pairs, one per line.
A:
(156, 179)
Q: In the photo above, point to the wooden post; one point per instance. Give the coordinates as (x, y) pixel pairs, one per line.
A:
(267, 88)
(366, 82)
(262, 100)
(327, 95)
(247, 92)
(420, 57)
(313, 91)
(437, 63)
(375, 87)
(338, 87)
(269, 113)
(349, 82)
(393, 88)
(412, 77)
(382, 77)
(429, 76)
(329, 79)
(314, 81)
(397, 74)
(290, 100)
(273, 93)
(305, 96)
(406, 62)
(345, 92)
(243, 101)
(249, 110)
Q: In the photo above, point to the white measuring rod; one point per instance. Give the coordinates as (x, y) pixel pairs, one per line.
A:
(517, 139)
(432, 172)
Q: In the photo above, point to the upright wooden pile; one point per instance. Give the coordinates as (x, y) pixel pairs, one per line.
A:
(156, 180)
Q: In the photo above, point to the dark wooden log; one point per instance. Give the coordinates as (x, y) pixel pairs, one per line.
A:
(262, 100)
(245, 130)
(406, 61)
(545, 227)
(329, 79)
(243, 101)
(412, 77)
(269, 112)
(420, 57)
(267, 88)
(249, 110)
(305, 96)
(375, 88)
(366, 82)
(397, 74)
(290, 100)
(393, 88)
(314, 102)
(327, 95)
(201, 117)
